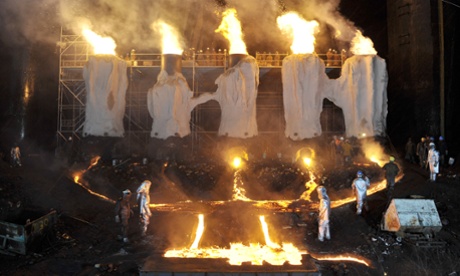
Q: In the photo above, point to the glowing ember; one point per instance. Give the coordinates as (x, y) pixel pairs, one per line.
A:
(101, 45)
(346, 257)
(230, 27)
(361, 45)
(169, 38)
(307, 161)
(199, 231)
(301, 31)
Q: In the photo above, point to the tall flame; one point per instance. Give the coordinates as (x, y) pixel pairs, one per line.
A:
(199, 231)
(230, 27)
(170, 38)
(301, 31)
(101, 45)
(361, 45)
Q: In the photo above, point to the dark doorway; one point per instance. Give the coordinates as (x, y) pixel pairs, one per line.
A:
(332, 120)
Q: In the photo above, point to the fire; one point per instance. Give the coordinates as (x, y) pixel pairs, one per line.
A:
(239, 193)
(268, 241)
(301, 31)
(238, 253)
(310, 187)
(345, 257)
(374, 152)
(199, 231)
(230, 27)
(361, 45)
(170, 42)
(101, 45)
(307, 161)
(236, 162)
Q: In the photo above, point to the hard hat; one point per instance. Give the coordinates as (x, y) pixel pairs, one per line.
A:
(431, 145)
(392, 158)
(441, 138)
(321, 189)
(359, 174)
(423, 139)
(341, 138)
(127, 192)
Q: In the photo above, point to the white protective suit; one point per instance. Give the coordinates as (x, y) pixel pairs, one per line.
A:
(359, 186)
(433, 161)
(143, 199)
(324, 210)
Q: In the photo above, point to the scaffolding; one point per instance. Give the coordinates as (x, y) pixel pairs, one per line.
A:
(199, 68)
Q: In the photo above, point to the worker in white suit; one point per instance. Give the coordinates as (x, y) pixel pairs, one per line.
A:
(433, 161)
(360, 185)
(324, 211)
(143, 199)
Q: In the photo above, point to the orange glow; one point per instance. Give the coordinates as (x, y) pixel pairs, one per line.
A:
(300, 30)
(230, 28)
(236, 162)
(238, 253)
(170, 38)
(307, 161)
(344, 257)
(78, 180)
(268, 241)
(199, 231)
(310, 187)
(101, 45)
(239, 193)
(93, 162)
(361, 45)
(374, 152)
(377, 187)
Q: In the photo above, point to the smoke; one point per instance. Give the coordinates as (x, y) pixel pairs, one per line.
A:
(128, 22)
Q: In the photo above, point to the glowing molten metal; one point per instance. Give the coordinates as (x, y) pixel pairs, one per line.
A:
(361, 45)
(238, 253)
(170, 42)
(230, 28)
(101, 45)
(345, 257)
(199, 231)
(236, 162)
(301, 31)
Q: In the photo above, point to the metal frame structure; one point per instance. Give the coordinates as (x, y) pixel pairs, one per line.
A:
(199, 68)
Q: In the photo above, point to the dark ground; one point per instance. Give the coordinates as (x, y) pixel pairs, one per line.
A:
(85, 238)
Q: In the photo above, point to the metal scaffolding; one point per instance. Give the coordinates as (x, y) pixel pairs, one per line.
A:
(200, 69)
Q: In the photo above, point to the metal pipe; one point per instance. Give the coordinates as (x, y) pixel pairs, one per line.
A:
(171, 63)
(235, 58)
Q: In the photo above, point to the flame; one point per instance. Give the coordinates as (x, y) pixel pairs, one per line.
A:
(101, 45)
(301, 31)
(344, 257)
(374, 152)
(199, 231)
(361, 45)
(230, 27)
(238, 253)
(170, 42)
(307, 161)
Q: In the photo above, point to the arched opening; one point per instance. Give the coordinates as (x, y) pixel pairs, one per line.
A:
(332, 119)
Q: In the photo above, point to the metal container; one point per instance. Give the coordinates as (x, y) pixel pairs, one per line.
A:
(19, 234)
(171, 63)
(235, 58)
(411, 216)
